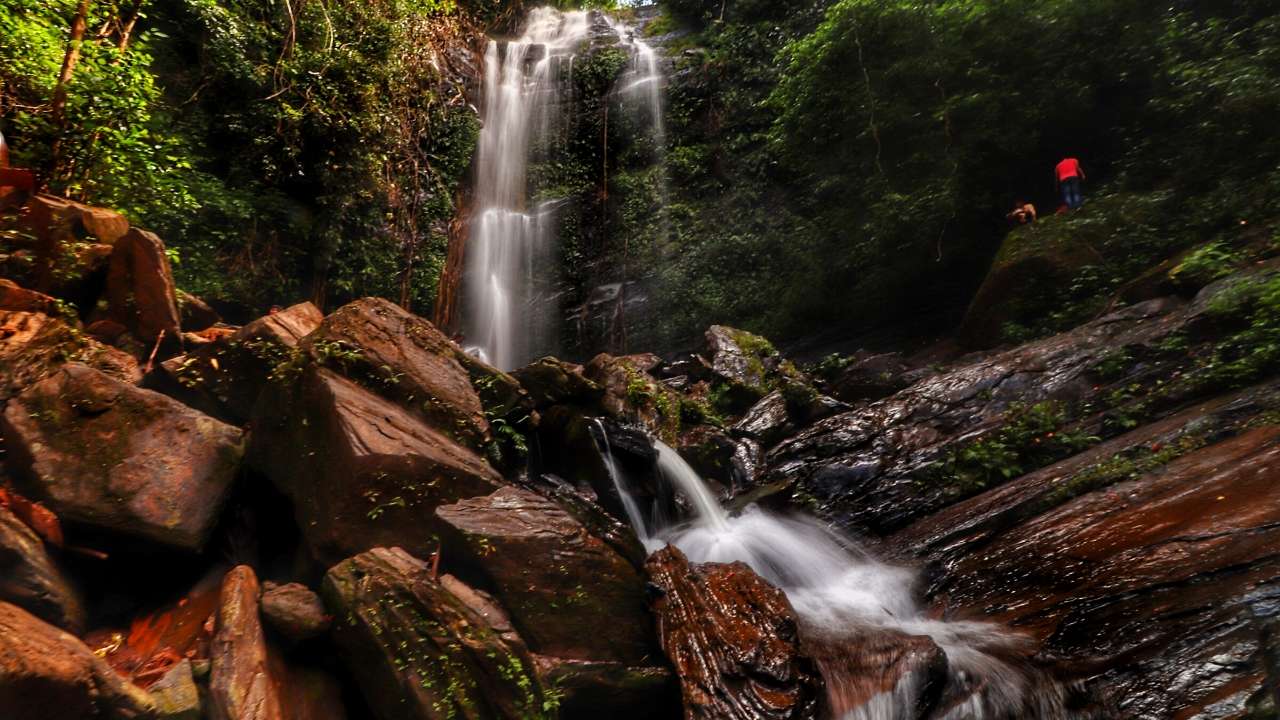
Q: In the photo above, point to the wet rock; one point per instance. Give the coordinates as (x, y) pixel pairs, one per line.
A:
(176, 696)
(33, 345)
(195, 314)
(48, 674)
(30, 579)
(224, 378)
(141, 294)
(1145, 565)
(868, 470)
(870, 666)
(872, 377)
(14, 297)
(113, 456)
(738, 357)
(592, 689)
(710, 451)
(569, 593)
(294, 611)
(733, 641)
(403, 358)
(550, 382)
(362, 471)
(585, 510)
(632, 395)
(767, 421)
(240, 682)
(420, 651)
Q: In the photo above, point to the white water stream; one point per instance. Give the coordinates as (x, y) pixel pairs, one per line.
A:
(840, 593)
(509, 312)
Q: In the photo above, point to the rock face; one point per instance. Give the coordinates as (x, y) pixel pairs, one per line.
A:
(424, 649)
(294, 611)
(114, 456)
(47, 674)
(16, 298)
(240, 683)
(32, 345)
(403, 358)
(176, 695)
(225, 377)
(863, 469)
(866, 666)
(30, 579)
(362, 471)
(550, 382)
(141, 294)
(1145, 564)
(733, 641)
(569, 593)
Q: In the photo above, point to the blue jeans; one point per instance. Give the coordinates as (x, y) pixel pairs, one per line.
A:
(1071, 193)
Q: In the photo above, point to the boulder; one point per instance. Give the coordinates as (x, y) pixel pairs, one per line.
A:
(1027, 278)
(114, 456)
(405, 359)
(294, 611)
(33, 345)
(733, 640)
(361, 470)
(551, 382)
(175, 694)
(569, 593)
(48, 674)
(195, 314)
(54, 220)
(225, 377)
(591, 689)
(424, 649)
(632, 395)
(30, 579)
(241, 686)
(871, 377)
(141, 294)
(69, 246)
(14, 297)
(710, 451)
(864, 667)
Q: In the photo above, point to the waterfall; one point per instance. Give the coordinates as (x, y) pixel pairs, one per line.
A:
(509, 308)
(840, 591)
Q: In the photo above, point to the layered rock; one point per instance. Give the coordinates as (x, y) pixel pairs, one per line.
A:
(224, 378)
(423, 648)
(111, 455)
(569, 593)
(33, 345)
(552, 382)
(403, 358)
(30, 579)
(48, 674)
(632, 395)
(733, 640)
(361, 470)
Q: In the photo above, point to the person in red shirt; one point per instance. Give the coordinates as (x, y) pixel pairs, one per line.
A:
(1068, 175)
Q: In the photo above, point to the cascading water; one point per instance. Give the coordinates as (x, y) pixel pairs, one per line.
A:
(509, 312)
(840, 593)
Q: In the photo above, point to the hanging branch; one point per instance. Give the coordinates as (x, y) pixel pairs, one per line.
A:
(127, 26)
(58, 109)
(871, 102)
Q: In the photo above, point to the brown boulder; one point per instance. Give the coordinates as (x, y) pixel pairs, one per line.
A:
(405, 359)
(225, 377)
(50, 675)
(30, 579)
(114, 456)
(141, 294)
(294, 611)
(362, 471)
(240, 682)
(569, 593)
(57, 220)
(33, 345)
(195, 314)
(426, 649)
(733, 640)
(631, 394)
(17, 298)
(550, 382)
(864, 666)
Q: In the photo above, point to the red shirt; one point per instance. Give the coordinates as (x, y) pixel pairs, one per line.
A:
(1068, 168)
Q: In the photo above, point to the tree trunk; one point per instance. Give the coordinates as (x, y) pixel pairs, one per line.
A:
(69, 62)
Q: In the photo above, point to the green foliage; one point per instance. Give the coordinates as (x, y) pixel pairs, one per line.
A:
(1032, 436)
(1205, 264)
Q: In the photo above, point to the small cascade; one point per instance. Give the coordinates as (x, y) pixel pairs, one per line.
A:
(509, 308)
(841, 592)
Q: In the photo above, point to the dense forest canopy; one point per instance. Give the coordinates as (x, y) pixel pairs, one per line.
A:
(826, 160)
